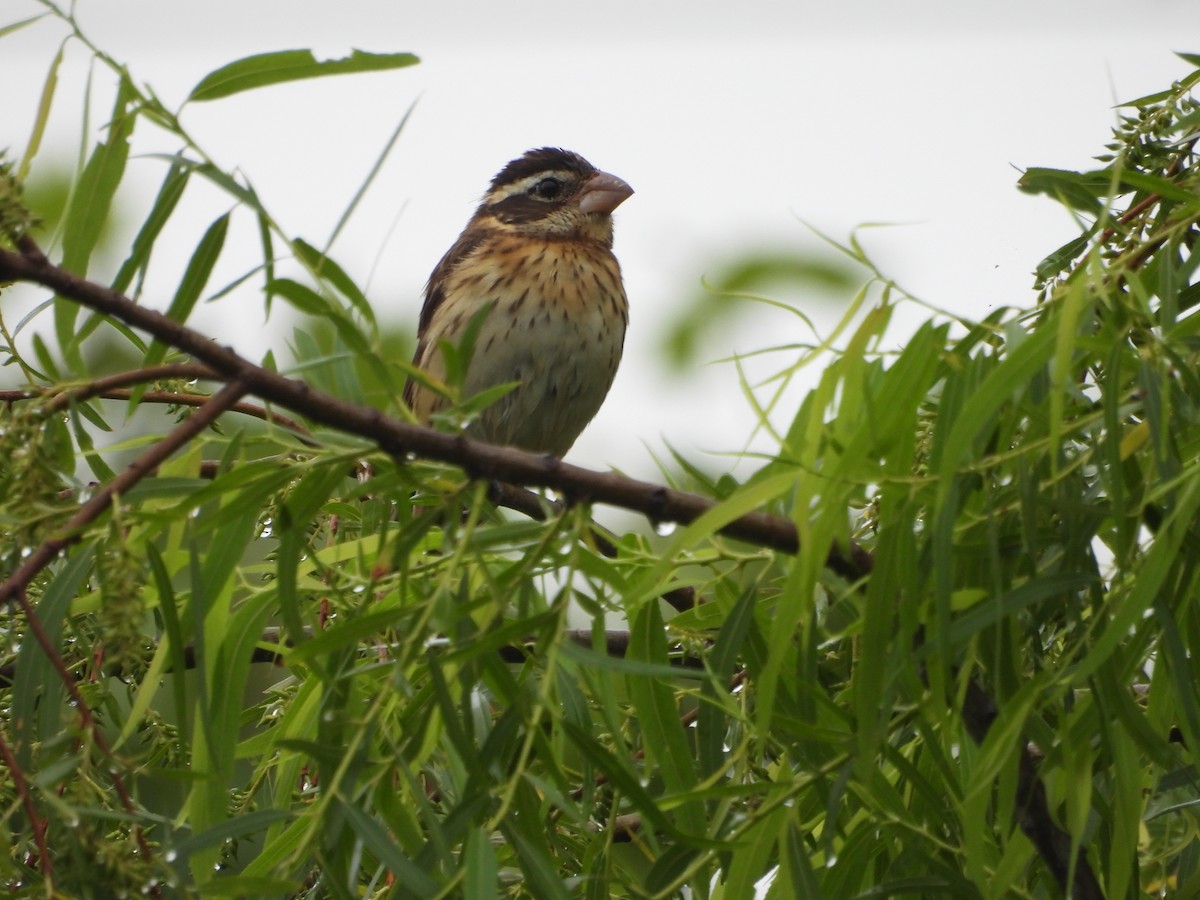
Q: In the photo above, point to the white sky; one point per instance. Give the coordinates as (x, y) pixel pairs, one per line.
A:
(733, 121)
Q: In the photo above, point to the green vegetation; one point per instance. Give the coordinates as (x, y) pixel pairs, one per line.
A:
(306, 655)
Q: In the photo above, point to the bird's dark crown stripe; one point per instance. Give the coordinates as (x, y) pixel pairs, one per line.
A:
(545, 160)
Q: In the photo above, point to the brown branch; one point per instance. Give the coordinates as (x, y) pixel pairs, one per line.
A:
(1053, 844)
(36, 822)
(164, 372)
(399, 438)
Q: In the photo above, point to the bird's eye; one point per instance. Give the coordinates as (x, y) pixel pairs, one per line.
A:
(547, 188)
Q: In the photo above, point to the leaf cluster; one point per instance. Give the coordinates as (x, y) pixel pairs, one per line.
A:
(290, 662)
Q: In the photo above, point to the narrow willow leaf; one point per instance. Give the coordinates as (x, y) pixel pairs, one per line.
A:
(1182, 670)
(345, 635)
(996, 390)
(617, 771)
(293, 524)
(302, 298)
(540, 872)
(246, 886)
(17, 26)
(42, 116)
(199, 269)
(100, 469)
(308, 301)
(367, 182)
(244, 194)
(416, 882)
(669, 869)
(663, 736)
(164, 204)
(1079, 190)
(91, 202)
(479, 862)
(991, 612)
(38, 710)
(225, 640)
(712, 719)
(322, 265)
(1152, 184)
(1128, 809)
(1061, 258)
(796, 877)
(172, 645)
(629, 665)
(752, 497)
(241, 826)
(751, 859)
(265, 69)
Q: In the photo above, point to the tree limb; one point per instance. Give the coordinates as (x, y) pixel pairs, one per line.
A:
(399, 438)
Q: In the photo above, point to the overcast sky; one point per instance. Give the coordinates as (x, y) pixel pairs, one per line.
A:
(734, 122)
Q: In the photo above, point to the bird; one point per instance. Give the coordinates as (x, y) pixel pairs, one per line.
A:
(534, 275)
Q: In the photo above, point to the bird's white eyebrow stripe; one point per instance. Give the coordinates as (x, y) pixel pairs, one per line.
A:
(496, 194)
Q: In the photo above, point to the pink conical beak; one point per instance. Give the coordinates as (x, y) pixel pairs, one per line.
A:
(602, 193)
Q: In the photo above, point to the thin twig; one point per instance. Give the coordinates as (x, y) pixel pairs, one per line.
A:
(36, 822)
(115, 387)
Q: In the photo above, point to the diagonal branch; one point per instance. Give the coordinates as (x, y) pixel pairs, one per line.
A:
(398, 437)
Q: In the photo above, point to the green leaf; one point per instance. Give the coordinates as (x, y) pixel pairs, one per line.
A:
(293, 525)
(308, 301)
(751, 858)
(265, 69)
(37, 705)
(538, 867)
(416, 882)
(239, 827)
(199, 269)
(369, 180)
(1061, 258)
(1018, 368)
(43, 114)
(1083, 191)
(712, 719)
(481, 873)
(323, 266)
(22, 23)
(1152, 184)
(164, 204)
(89, 209)
(663, 737)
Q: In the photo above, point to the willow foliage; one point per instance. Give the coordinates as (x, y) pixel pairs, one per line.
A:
(292, 664)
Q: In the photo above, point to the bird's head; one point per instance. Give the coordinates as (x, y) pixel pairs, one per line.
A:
(553, 194)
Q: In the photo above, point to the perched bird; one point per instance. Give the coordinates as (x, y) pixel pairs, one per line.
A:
(537, 255)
